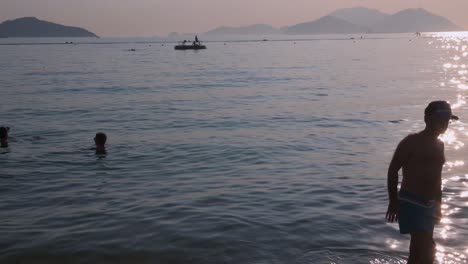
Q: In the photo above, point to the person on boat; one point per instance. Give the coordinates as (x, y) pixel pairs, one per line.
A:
(196, 39)
(4, 137)
(417, 206)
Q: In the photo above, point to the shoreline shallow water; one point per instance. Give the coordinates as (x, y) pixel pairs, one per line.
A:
(266, 152)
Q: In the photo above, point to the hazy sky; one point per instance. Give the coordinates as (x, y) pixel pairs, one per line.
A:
(160, 17)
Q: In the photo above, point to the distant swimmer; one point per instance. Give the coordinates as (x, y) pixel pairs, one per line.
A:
(4, 137)
(100, 142)
(417, 206)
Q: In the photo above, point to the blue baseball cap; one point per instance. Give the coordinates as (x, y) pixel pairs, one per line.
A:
(440, 108)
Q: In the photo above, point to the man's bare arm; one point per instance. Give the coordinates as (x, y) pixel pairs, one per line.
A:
(401, 155)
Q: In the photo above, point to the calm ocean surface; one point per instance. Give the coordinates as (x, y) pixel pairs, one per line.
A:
(247, 152)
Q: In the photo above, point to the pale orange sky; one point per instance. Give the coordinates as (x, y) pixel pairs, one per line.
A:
(160, 17)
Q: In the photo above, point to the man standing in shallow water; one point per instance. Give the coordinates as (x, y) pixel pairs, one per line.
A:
(417, 206)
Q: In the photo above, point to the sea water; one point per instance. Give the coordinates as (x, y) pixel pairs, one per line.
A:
(246, 152)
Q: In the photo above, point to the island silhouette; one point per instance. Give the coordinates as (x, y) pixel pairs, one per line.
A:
(33, 27)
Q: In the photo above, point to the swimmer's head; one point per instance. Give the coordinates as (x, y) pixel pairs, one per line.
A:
(4, 132)
(4, 137)
(100, 139)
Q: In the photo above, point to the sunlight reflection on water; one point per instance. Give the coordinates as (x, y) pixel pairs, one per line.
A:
(454, 186)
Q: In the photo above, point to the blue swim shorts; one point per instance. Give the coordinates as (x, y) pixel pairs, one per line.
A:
(416, 213)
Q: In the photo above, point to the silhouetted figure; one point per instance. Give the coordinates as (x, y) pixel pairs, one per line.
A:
(196, 39)
(4, 137)
(100, 142)
(417, 206)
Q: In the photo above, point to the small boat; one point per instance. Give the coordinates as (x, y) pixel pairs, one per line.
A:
(190, 47)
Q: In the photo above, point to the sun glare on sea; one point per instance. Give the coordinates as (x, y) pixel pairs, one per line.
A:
(454, 49)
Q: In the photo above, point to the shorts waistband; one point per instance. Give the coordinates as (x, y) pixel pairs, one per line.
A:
(415, 199)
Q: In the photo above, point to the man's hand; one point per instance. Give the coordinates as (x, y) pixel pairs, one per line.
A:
(393, 211)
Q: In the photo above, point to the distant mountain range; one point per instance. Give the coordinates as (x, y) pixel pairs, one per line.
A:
(414, 20)
(342, 21)
(354, 20)
(33, 27)
(248, 30)
(324, 25)
(360, 16)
